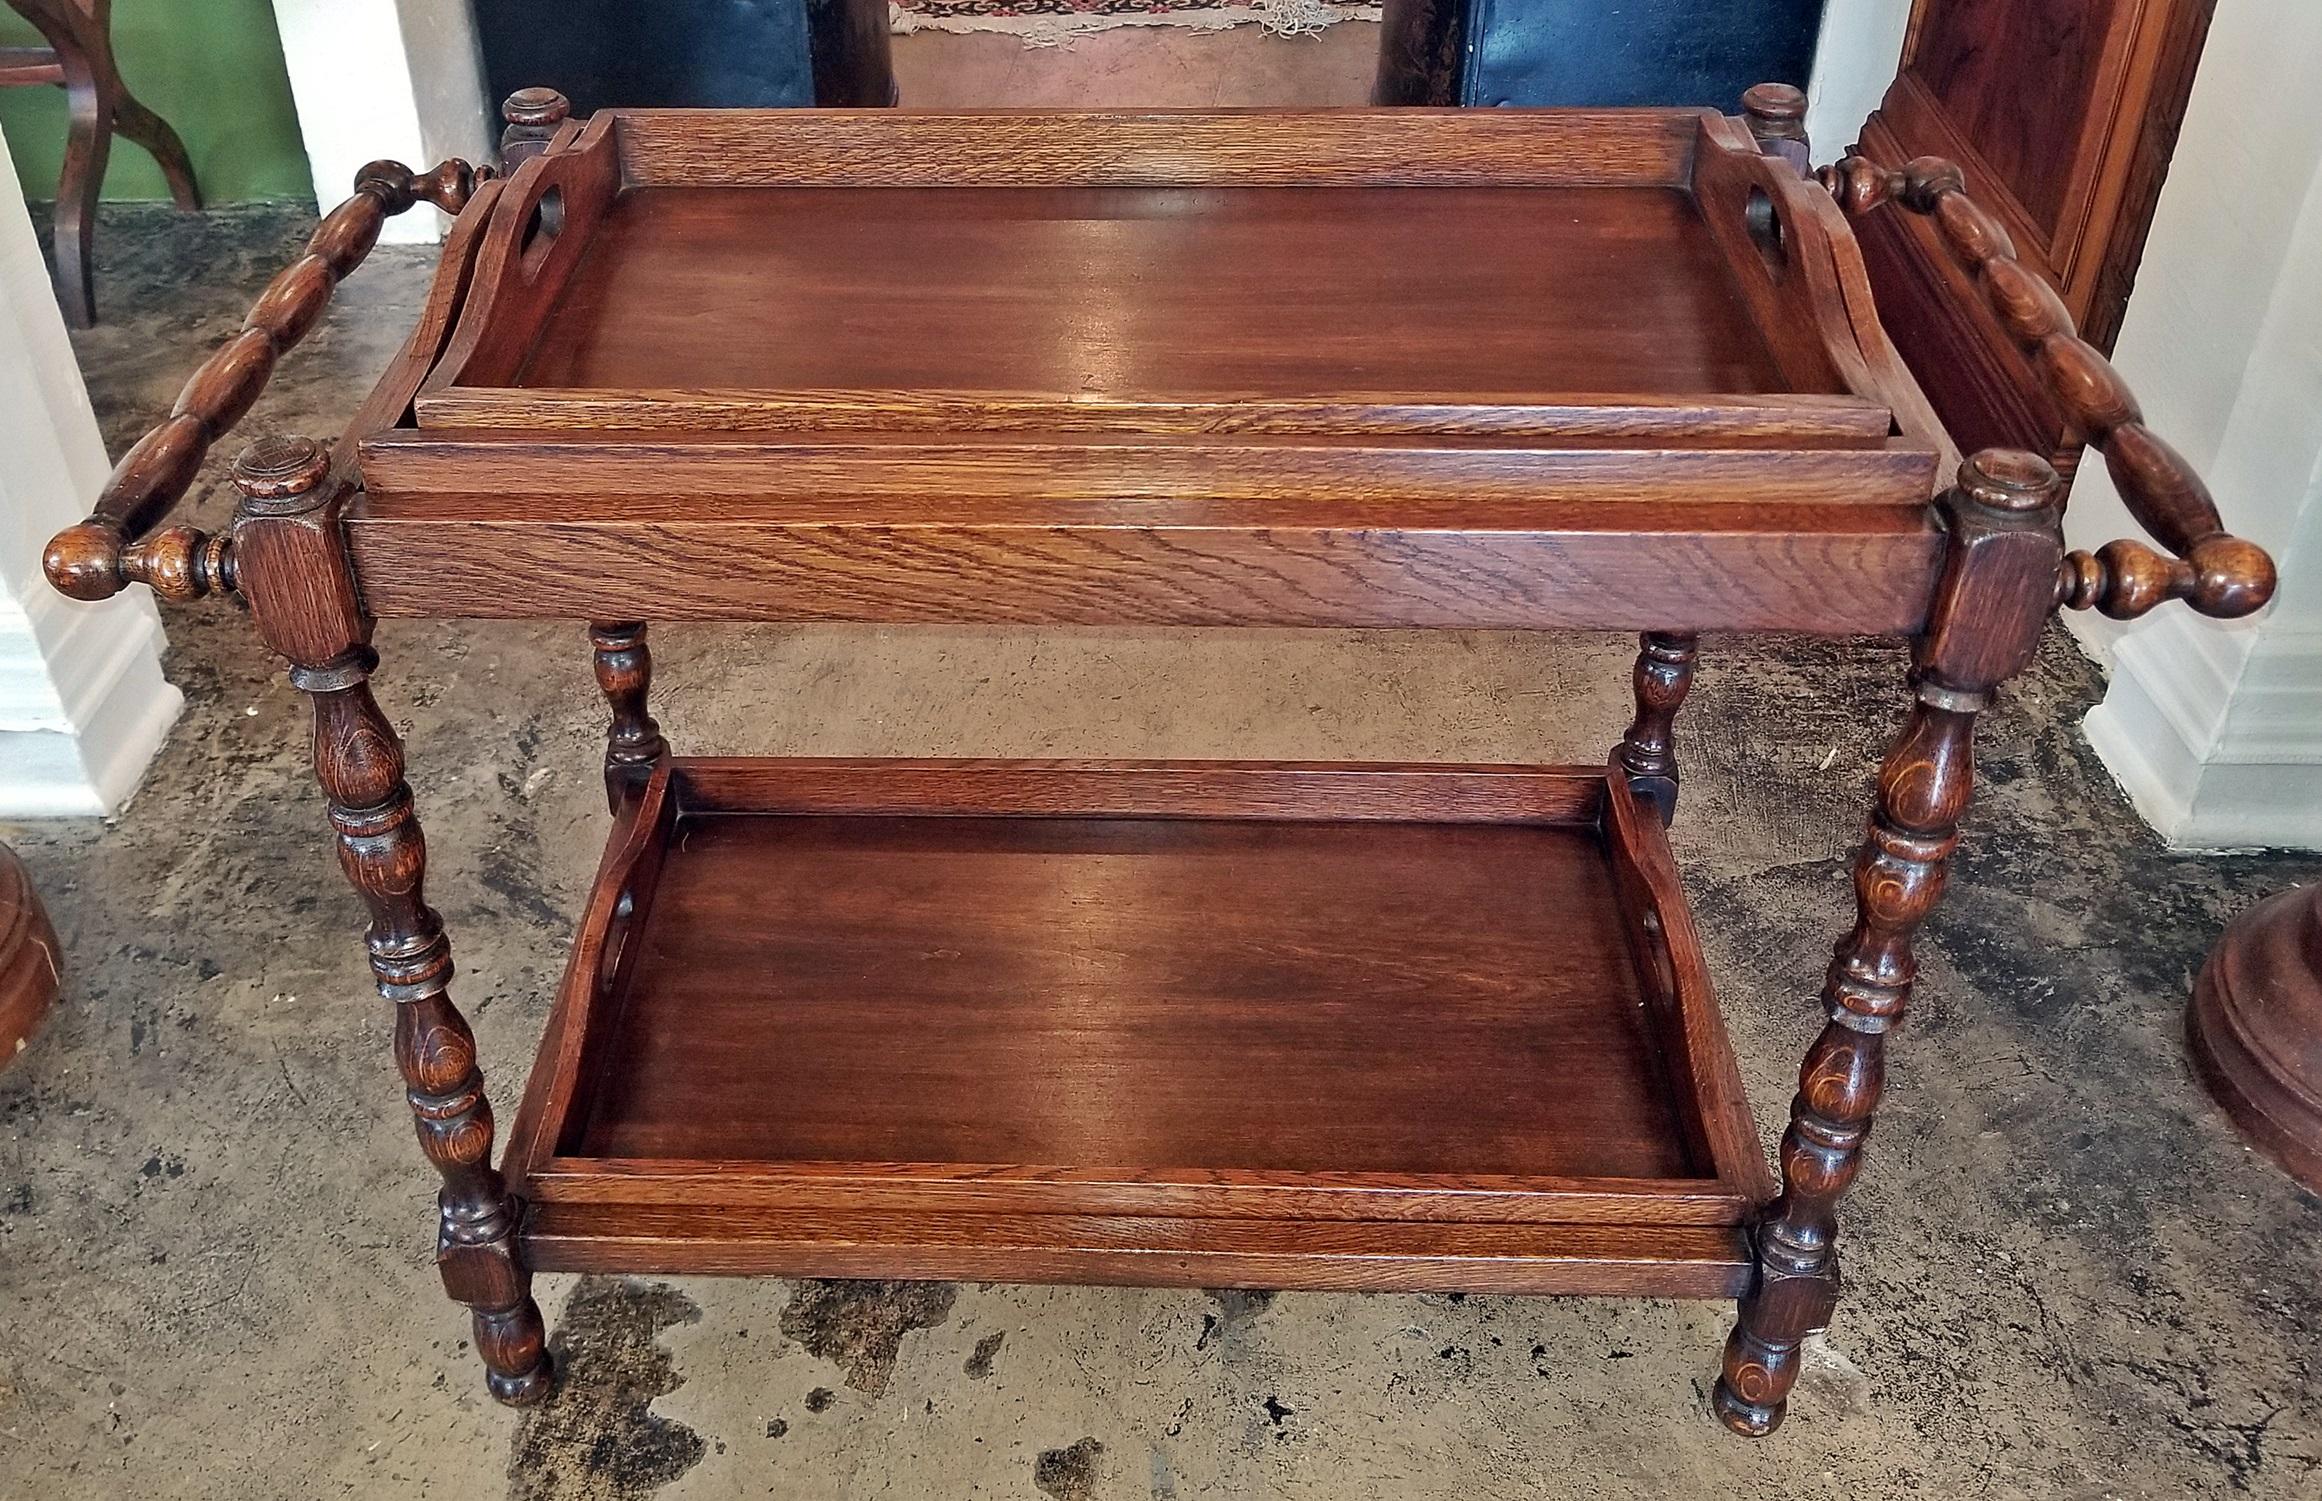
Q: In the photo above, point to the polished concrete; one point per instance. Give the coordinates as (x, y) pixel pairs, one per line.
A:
(2067, 1276)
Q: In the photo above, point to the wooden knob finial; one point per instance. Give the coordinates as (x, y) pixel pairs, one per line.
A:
(1776, 116)
(277, 469)
(1775, 101)
(84, 561)
(2009, 479)
(536, 107)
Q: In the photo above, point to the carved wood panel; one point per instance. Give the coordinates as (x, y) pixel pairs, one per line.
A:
(2064, 114)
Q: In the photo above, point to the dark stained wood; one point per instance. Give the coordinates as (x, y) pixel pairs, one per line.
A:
(2064, 114)
(1123, 993)
(1753, 420)
(1647, 754)
(990, 1001)
(304, 603)
(533, 116)
(1669, 1261)
(546, 218)
(79, 59)
(1306, 1025)
(1250, 148)
(2005, 519)
(1763, 563)
(633, 743)
(88, 560)
(2219, 574)
(1281, 292)
(2255, 1026)
(29, 959)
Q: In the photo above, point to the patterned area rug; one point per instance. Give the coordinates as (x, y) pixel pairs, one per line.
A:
(1048, 23)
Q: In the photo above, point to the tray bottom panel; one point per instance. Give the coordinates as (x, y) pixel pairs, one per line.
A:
(1138, 993)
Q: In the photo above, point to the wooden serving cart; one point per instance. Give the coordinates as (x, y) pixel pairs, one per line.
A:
(1305, 1026)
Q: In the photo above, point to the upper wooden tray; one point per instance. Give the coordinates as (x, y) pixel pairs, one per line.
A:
(1561, 273)
(1339, 368)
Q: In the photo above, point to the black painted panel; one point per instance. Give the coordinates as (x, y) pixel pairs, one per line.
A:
(642, 53)
(1623, 52)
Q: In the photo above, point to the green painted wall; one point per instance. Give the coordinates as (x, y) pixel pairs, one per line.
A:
(212, 68)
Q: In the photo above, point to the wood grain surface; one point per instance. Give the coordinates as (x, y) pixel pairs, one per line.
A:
(1157, 148)
(1150, 996)
(1154, 292)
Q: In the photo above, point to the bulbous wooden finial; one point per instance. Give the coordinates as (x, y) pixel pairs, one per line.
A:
(1776, 116)
(84, 561)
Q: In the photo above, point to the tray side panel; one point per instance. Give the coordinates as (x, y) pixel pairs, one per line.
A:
(1613, 419)
(1667, 949)
(1320, 790)
(1338, 533)
(1676, 1261)
(1160, 148)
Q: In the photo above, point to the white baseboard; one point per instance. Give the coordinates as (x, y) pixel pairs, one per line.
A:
(2218, 760)
(87, 707)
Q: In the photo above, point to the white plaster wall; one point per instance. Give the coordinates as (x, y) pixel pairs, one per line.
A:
(2216, 729)
(1862, 44)
(385, 78)
(83, 704)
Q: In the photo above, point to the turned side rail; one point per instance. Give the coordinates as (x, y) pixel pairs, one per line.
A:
(122, 540)
(2216, 573)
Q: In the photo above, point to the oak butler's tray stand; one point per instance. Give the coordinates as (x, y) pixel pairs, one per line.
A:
(1300, 1026)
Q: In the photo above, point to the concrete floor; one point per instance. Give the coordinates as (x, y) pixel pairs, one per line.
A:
(2067, 1276)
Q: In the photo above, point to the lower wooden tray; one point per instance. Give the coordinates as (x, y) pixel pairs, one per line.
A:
(1186, 1023)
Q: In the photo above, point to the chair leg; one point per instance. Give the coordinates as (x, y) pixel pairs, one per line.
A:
(133, 120)
(88, 145)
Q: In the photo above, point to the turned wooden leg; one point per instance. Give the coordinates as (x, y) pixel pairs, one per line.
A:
(360, 765)
(1648, 752)
(1922, 789)
(1998, 587)
(633, 742)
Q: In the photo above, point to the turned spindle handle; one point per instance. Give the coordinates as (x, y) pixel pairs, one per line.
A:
(104, 554)
(2215, 572)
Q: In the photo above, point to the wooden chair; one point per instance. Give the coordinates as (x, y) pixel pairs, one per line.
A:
(79, 58)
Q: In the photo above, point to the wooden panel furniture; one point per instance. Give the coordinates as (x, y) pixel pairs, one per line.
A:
(2256, 1029)
(2064, 113)
(1315, 1025)
(79, 59)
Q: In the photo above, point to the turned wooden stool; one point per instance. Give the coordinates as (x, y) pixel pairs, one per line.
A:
(79, 57)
